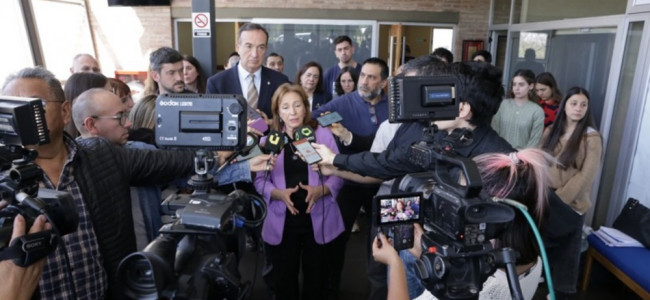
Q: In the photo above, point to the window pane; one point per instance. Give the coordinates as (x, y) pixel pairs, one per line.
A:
(535, 41)
(301, 43)
(16, 54)
(64, 32)
(442, 37)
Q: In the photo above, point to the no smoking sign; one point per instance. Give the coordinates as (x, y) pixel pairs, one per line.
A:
(201, 25)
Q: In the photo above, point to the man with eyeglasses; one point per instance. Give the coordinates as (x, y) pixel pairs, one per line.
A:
(100, 113)
(97, 174)
(362, 112)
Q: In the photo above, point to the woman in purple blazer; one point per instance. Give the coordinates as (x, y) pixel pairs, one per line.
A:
(303, 216)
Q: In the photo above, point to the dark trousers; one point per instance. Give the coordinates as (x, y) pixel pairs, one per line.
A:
(562, 233)
(350, 200)
(298, 249)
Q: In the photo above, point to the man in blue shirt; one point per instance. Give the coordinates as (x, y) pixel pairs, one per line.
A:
(344, 51)
(362, 111)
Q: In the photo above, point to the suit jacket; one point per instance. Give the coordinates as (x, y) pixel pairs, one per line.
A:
(227, 82)
(273, 228)
(320, 99)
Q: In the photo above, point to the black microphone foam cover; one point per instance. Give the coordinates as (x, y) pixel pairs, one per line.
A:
(304, 132)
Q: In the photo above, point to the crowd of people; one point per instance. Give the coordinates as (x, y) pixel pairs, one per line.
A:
(536, 146)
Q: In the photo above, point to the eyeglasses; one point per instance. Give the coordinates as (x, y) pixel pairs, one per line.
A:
(373, 114)
(45, 102)
(121, 117)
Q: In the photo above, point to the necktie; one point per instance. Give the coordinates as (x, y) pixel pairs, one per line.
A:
(251, 95)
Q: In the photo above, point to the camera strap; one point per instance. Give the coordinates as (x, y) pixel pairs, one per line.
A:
(30, 248)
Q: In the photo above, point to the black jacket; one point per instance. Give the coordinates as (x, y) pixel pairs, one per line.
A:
(227, 82)
(104, 173)
(394, 162)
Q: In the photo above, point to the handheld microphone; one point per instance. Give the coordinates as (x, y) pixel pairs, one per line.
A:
(251, 141)
(304, 133)
(274, 144)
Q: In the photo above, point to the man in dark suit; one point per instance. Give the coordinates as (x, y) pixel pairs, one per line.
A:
(249, 78)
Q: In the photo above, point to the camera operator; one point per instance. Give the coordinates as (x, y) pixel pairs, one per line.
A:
(522, 176)
(480, 92)
(19, 282)
(100, 113)
(97, 174)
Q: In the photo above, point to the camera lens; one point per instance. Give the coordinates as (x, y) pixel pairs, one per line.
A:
(139, 277)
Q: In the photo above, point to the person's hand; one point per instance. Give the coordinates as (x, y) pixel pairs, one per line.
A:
(325, 153)
(18, 282)
(383, 251)
(265, 117)
(259, 163)
(341, 132)
(223, 155)
(253, 130)
(417, 240)
(326, 170)
(285, 196)
(313, 194)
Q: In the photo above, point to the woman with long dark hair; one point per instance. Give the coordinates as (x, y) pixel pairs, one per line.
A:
(193, 75)
(549, 96)
(577, 145)
(347, 81)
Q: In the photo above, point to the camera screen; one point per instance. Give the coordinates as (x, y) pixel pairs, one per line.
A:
(438, 96)
(399, 209)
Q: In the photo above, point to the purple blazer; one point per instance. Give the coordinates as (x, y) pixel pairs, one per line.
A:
(275, 216)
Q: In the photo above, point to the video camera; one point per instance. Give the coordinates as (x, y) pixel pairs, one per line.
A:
(22, 123)
(459, 220)
(195, 256)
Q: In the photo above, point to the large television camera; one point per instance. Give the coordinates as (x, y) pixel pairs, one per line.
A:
(459, 219)
(22, 123)
(195, 256)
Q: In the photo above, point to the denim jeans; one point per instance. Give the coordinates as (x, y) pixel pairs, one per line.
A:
(415, 286)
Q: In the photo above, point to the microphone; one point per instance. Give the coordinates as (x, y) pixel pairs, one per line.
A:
(274, 144)
(243, 154)
(304, 133)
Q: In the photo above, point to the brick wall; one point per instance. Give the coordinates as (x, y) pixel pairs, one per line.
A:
(126, 35)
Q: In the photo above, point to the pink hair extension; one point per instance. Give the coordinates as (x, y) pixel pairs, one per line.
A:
(528, 167)
(539, 162)
(490, 165)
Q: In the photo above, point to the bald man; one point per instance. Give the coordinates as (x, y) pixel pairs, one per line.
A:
(100, 113)
(84, 63)
(97, 175)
